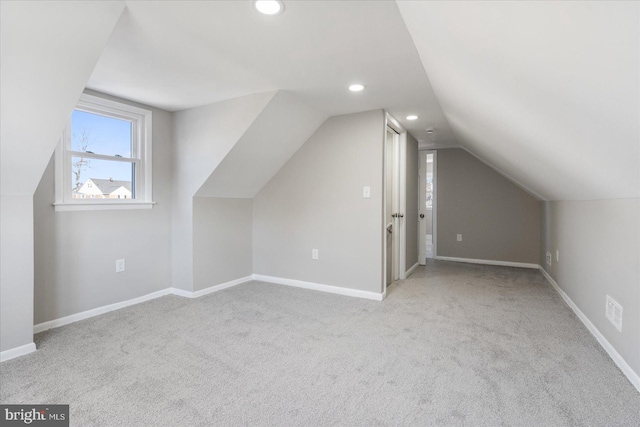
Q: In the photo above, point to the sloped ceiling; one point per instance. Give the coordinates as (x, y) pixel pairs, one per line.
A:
(264, 148)
(204, 136)
(546, 92)
(48, 52)
(182, 54)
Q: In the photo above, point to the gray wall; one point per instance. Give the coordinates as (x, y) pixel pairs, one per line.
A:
(75, 252)
(38, 93)
(411, 212)
(222, 247)
(315, 201)
(202, 137)
(16, 272)
(498, 220)
(599, 252)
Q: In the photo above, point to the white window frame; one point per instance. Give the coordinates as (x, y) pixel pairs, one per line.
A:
(141, 121)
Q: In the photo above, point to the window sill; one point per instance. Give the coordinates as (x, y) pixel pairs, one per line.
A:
(101, 206)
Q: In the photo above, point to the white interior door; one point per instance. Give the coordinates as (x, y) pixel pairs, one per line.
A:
(422, 226)
(392, 219)
(427, 209)
(395, 159)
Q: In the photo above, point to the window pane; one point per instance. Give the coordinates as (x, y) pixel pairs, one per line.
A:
(101, 179)
(100, 134)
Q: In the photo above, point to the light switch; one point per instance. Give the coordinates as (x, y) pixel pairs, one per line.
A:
(366, 192)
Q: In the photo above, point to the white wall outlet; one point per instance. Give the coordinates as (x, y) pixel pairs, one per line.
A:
(366, 192)
(119, 265)
(613, 311)
(459, 237)
(549, 258)
(557, 255)
(314, 254)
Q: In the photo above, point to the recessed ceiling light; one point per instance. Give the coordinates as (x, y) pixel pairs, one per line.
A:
(412, 117)
(269, 7)
(357, 87)
(431, 130)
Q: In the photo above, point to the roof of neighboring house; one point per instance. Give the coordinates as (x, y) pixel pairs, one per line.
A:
(108, 186)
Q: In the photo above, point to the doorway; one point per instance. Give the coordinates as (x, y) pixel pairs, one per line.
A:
(394, 227)
(428, 200)
(391, 205)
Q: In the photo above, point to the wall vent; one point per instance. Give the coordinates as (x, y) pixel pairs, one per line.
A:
(614, 313)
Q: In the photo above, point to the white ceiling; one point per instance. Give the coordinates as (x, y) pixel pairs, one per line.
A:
(44, 68)
(181, 54)
(546, 92)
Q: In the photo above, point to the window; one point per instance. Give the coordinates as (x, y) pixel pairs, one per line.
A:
(103, 160)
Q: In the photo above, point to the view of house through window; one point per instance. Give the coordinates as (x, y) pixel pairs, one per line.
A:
(101, 163)
(103, 160)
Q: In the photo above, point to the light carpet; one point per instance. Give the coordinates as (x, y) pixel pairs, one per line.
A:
(455, 344)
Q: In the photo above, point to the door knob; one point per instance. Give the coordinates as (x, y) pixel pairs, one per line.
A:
(421, 215)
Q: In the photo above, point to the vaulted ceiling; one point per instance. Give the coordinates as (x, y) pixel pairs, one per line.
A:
(547, 93)
(183, 54)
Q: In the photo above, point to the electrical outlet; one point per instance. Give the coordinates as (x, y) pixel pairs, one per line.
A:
(459, 237)
(549, 258)
(314, 254)
(613, 312)
(119, 265)
(557, 255)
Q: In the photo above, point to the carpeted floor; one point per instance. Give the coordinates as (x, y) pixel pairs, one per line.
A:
(455, 344)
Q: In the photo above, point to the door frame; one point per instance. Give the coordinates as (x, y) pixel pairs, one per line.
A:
(400, 178)
(434, 210)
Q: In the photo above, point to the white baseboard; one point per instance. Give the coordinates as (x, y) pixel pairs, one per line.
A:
(107, 308)
(322, 288)
(618, 360)
(489, 262)
(211, 289)
(44, 326)
(17, 351)
(181, 292)
(411, 270)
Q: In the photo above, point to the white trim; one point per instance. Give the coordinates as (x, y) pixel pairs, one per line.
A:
(402, 203)
(141, 155)
(399, 202)
(210, 289)
(181, 292)
(434, 221)
(488, 262)
(44, 326)
(615, 356)
(17, 351)
(422, 185)
(101, 206)
(393, 123)
(412, 269)
(322, 288)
